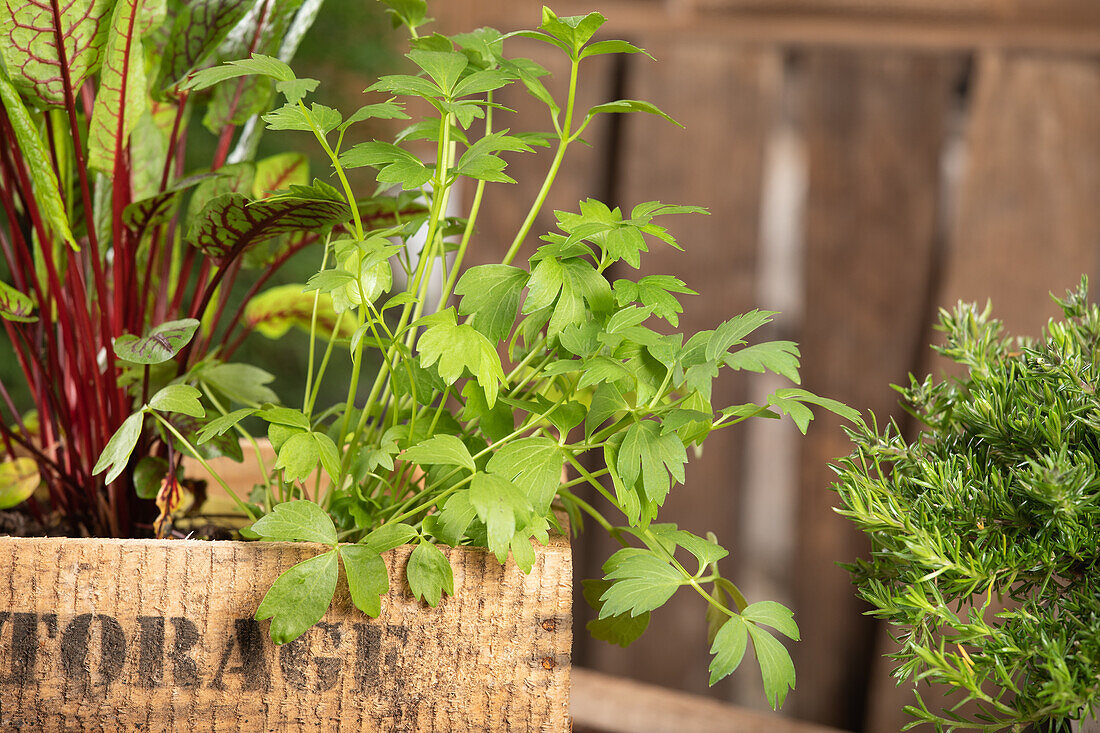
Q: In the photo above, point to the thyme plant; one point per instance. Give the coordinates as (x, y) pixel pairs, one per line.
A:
(985, 527)
(541, 364)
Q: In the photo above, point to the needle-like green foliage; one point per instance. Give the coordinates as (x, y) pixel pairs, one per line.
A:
(985, 528)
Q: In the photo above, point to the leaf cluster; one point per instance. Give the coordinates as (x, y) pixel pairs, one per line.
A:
(984, 525)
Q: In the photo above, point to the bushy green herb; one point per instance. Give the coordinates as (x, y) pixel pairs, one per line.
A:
(985, 529)
(544, 367)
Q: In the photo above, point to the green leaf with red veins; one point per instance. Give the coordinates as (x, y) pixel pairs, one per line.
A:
(279, 172)
(28, 33)
(229, 224)
(121, 95)
(196, 33)
(160, 344)
(14, 306)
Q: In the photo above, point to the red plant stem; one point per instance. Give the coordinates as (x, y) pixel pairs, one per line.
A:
(227, 130)
(185, 277)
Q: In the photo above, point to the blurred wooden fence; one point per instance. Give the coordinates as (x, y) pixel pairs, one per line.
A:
(864, 162)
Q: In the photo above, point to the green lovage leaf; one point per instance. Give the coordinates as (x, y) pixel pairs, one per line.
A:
(570, 32)
(645, 452)
(773, 614)
(440, 450)
(182, 398)
(776, 667)
(705, 551)
(241, 383)
(14, 306)
(280, 172)
(566, 285)
(779, 357)
(490, 297)
(296, 521)
(116, 454)
(444, 67)
(481, 82)
(411, 13)
(790, 401)
(455, 518)
(604, 369)
(481, 162)
(285, 416)
(18, 480)
(199, 27)
(231, 223)
(728, 648)
(622, 629)
(159, 345)
(221, 425)
(299, 597)
(388, 110)
(642, 582)
(275, 311)
(368, 578)
(121, 96)
(534, 464)
(607, 400)
(496, 422)
(47, 196)
(294, 117)
(257, 65)
(621, 106)
(733, 332)
(394, 164)
(28, 44)
(429, 574)
(298, 456)
(654, 292)
(458, 348)
(502, 508)
(604, 47)
(389, 536)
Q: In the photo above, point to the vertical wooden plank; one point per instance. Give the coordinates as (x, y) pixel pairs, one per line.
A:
(725, 98)
(1028, 221)
(874, 129)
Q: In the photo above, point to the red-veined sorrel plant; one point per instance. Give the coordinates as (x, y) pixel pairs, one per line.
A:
(119, 262)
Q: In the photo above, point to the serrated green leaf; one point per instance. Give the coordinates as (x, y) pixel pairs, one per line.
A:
(728, 648)
(368, 578)
(394, 164)
(258, 64)
(490, 296)
(429, 574)
(648, 454)
(159, 345)
(779, 357)
(296, 521)
(440, 450)
(642, 582)
(458, 348)
(776, 667)
(606, 401)
(604, 47)
(388, 110)
(299, 597)
(603, 369)
(773, 614)
(389, 536)
(298, 456)
(622, 629)
(444, 67)
(455, 518)
(293, 117)
(116, 454)
(18, 480)
(182, 398)
(733, 332)
(534, 464)
(628, 105)
(502, 507)
(221, 425)
(285, 416)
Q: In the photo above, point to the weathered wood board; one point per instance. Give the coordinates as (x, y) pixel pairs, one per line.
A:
(874, 131)
(107, 635)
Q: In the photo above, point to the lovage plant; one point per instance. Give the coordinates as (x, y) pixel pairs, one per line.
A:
(540, 364)
(120, 260)
(984, 527)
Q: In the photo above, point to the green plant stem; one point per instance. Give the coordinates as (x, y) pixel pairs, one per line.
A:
(307, 405)
(202, 462)
(548, 181)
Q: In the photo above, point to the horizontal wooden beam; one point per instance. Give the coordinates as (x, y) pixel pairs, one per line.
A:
(600, 703)
(1064, 26)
